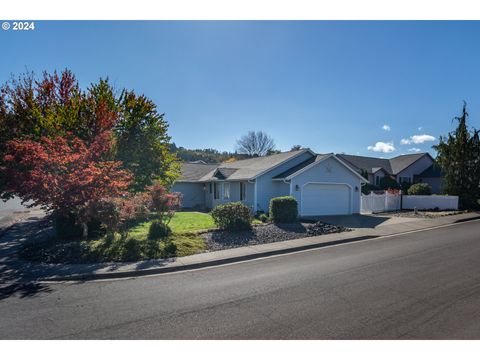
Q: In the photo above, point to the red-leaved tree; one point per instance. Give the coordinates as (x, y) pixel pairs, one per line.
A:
(64, 175)
(164, 204)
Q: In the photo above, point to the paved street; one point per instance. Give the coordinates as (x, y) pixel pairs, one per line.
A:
(423, 285)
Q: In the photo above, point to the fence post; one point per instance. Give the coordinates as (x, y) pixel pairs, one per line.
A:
(401, 199)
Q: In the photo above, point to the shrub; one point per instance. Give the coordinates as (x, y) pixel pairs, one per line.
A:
(163, 203)
(132, 250)
(66, 227)
(388, 183)
(233, 216)
(283, 209)
(263, 218)
(420, 189)
(170, 249)
(158, 230)
(107, 212)
(368, 188)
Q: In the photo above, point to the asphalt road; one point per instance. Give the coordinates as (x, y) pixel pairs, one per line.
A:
(424, 285)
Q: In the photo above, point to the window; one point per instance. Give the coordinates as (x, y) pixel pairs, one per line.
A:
(243, 191)
(377, 180)
(216, 191)
(226, 190)
(404, 179)
(210, 187)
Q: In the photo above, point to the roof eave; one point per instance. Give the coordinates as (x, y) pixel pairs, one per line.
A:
(283, 162)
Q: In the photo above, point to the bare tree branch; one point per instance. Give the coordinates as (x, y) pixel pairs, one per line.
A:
(255, 144)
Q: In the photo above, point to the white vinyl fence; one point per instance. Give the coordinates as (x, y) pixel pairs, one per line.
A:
(426, 202)
(374, 203)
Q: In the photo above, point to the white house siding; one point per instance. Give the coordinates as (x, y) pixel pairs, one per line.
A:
(193, 194)
(268, 188)
(416, 168)
(329, 171)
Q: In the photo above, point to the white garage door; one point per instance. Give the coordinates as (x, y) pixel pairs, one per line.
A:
(325, 199)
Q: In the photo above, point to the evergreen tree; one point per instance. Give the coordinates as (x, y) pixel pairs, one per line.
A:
(458, 154)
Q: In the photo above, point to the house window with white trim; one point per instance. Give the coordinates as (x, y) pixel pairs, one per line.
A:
(216, 191)
(404, 179)
(243, 191)
(377, 180)
(226, 190)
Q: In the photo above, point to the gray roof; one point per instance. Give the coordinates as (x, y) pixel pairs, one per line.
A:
(194, 171)
(370, 164)
(251, 168)
(223, 173)
(365, 162)
(300, 166)
(403, 161)
(237, 170)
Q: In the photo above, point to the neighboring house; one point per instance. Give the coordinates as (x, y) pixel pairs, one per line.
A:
(432, 175)
(322, 184)
(404, 169)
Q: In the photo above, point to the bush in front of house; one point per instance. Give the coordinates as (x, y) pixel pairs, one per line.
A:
(233, 216)
(283, 209)
(388, 183)
(420, 189)
(158, 230)
(263, 218)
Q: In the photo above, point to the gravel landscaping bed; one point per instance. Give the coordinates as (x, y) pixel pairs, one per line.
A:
(219, 240)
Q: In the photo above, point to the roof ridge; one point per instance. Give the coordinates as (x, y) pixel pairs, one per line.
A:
(266, 156)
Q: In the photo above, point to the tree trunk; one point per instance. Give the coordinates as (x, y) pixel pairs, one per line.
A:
(85, 231)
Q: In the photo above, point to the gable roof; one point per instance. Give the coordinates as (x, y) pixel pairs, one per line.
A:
(192, 171)
(223, 173)
(371, 165)
(401, 162)
(300, 166)
(365, 162)
(251, 168)
(297, 170)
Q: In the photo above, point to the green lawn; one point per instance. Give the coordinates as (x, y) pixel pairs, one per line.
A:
(135, 246)
(191, 221)
(182, 222)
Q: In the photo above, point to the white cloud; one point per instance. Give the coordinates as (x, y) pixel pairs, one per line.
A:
(420, 128)
(417, 139)
(414, 149)
(382, 147)
(386, 127)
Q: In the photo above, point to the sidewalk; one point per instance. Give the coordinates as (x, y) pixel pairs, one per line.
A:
(13, 270)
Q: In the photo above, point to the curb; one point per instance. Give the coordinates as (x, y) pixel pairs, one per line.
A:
(138, 273)
(230, 260)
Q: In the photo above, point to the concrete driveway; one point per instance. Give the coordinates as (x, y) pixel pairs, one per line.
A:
(364, 221)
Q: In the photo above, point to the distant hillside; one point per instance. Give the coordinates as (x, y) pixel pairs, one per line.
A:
(206, 155)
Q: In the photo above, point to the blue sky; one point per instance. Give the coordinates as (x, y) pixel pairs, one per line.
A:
(327, 85)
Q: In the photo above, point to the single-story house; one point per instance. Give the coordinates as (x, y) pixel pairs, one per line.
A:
(411, 168)
(322, 184)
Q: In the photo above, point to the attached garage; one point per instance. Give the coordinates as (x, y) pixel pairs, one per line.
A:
(326, 199)
(327, 186)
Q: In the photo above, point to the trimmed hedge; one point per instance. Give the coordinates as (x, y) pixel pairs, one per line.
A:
(420, 189)
(283, 209)
(233, 216)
